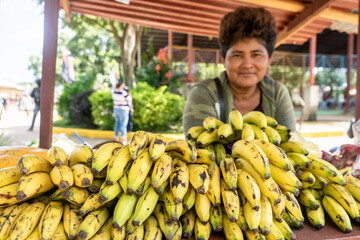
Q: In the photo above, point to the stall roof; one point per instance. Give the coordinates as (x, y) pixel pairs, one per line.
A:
(297, 21)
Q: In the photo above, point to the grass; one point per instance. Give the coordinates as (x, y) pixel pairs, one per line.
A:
(4, 141)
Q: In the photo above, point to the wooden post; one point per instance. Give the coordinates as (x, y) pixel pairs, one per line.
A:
(349, 70)
(357, 97)
(312, 59)
(51, 15)
(170, 48)
(190, 56)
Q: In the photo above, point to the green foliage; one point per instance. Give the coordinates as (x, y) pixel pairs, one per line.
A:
(102, 109)
(156, 109)
(4, 140)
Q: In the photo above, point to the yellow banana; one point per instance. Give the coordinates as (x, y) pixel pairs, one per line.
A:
(254, 155)
(8, 195)
(137, 234)
(316, 217)
(109, 192)
(173, 209)
(207, 138)
(35, 235)
(225, 131)
(202, 207)
(273, 135)
(9, 175)
(249, 188)
(354, 189)
(283, 178)
(66, 218)
(82, 175)
(229, 173)
(145, 206)
(337, 213)
(118, 233)
(236, 121)
(199, 177)
(188, 223)
(82, 153)
(295, 166)
(76, 195)
(59, 232)
(216, 218)
(241, 218)
(292, 206)
(279, 208)
(271, 121)
(247, 133)
(284, 132)
(231, 202)
(307, 199)
(118, 164)
(50, 219)
(92, 223)
(275, 233)
(103, 155)
(27, 221)
(57, 156)
(152, 229)
(62, 177)
(144, 186)
(318, 168)
(300, 159)
(211, 123)
(257, 118)
(96, 184)
(292, 221)
(250, 235)
(8, 218)
(306, 176)
(91, 203)
(337, 177)
(194, 132)
(189, 198)
(266, 214)
(295, 147)
(161, 170)
(202, 231)
(285, 230)
(157, 147)
(169, 228)
(124, 209)
(138, 143)
(74, 223)
(105, 231)
(259, 133)
(138, 171)
(30, 163)
(179, 180)
(182, 149)
(220, 152)
(232, 230)
(205, 156)
(162, 187)
(33, 184)
(252, 216)
(214, 192)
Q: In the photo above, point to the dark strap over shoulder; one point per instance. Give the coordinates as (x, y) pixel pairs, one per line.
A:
(221, 99)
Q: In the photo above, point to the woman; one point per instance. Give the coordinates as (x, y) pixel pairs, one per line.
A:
(247, 38)
(121, 111)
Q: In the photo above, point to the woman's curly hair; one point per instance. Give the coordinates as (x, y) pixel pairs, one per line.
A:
(245, 23)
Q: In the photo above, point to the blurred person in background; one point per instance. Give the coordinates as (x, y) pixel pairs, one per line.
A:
(35, 94)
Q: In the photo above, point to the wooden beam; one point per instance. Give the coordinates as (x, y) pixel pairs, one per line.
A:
(312, 60)
(337, 15)
(66, 6)
(51, 15)
(350, 52)
(291, 6)
(190, 57)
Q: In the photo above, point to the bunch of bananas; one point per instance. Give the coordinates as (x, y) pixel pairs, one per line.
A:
(245, 178)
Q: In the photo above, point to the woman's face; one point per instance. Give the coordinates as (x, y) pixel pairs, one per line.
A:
(246, 63)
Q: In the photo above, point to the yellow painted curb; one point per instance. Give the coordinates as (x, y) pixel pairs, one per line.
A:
(322, 134)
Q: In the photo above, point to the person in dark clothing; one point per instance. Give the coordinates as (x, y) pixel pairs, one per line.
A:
(35, 94)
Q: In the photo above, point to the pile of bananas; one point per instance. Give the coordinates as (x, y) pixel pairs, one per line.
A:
(242, 178)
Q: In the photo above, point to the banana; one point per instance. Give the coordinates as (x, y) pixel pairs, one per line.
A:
(307, 199)
(56, 195)
(96, 184)
(273, 135)
(138, 142)
(82, 153)
(266, 218)
(145, 206)
(252, 216)
(300, 159)
(241, 218)
(296, 147)
(109, 192)
(295, 166)
(59, 232)
(34, 235)
(354, 189)
(8, 218)
(316, 217)
(337, 177)
(161, 170)
(118, 164)
(207, 138)
(62, 177)
(138, 171)
(82, 175)
(275, 233)
(225, 131)
(192, 142)
(189, 198)
(118, 233)
(188, 223)
(283, 178)
(247, 133)
(248, 186)
(173, 209)
(199, 177)
(202, 231)
(341, 195)
(92, 223)
(292, 221)
(250, 235)
(194, 132)
(254, 155)
(319, 183)
(50, 219)
(259, 133)
(271, 121)
(337, 213)
(202, 207)
(236, 121)
(267, 187)
(231, 201)
(76, 195)
(163, 220)
(162, 187)
(66, 218)
(211, 123)
(214, 192)
(57, 156)
(152, 229)
(205, 156)
(220, 152)
(275, 155)
(144, 186)
(91, 203)
(284, 132)
(138, 233)
(229, 173)
(124, 209)
(27, 221)
(105, 231)
(279, 209)
(8, 195)
(103, 155)
(183, 148)
(232, 230)
(216, 218)
(30, 163)
(33, 184)
(9, 175)
(179, 179)
(306, 176)
(257, 118)
(292, 206)
(285, 230)
(74, 223)
(157, 147)
(319, 169)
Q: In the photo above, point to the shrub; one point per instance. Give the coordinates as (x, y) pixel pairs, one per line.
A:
(102, 109)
